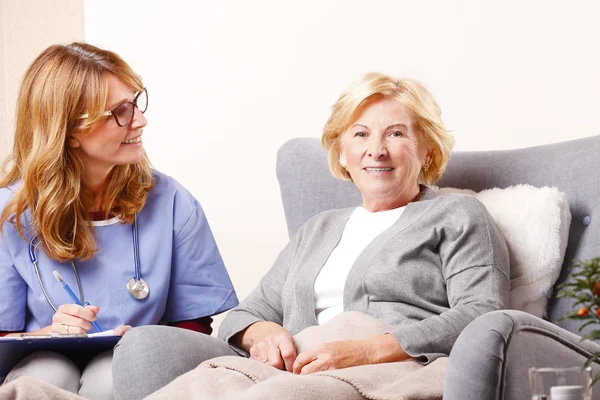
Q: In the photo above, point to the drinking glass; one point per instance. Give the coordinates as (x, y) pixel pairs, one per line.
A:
(560, 383)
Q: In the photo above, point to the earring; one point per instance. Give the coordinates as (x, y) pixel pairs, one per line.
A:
(425, 167)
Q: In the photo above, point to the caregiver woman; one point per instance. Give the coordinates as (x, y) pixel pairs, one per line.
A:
(80, 198)
(424, 263)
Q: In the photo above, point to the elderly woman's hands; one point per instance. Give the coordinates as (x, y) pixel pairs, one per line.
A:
(333, 355)
(270, 343)
(349, 353)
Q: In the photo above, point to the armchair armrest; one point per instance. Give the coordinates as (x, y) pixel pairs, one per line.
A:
(491, 357)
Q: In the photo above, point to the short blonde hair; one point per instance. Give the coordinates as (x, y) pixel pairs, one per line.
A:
(63, 83)
(419, 101)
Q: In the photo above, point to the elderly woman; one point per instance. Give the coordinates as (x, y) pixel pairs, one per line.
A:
(424, 263)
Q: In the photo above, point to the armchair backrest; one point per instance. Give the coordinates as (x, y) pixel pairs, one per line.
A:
(307, 188)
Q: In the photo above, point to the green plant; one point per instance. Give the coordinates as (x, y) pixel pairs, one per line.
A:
(584, 287)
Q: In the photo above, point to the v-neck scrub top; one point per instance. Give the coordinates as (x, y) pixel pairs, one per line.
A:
(179, 260)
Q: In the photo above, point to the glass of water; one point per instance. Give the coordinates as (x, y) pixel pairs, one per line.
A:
(560, 383)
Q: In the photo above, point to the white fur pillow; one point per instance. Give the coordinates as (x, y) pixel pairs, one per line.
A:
(535, 223)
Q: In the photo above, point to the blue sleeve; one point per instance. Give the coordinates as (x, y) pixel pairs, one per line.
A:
(200, 285)
(13, 292)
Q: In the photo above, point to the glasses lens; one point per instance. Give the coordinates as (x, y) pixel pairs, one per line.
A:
(142, 101)
(124, 114)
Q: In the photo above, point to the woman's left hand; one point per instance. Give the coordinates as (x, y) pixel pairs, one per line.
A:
(120, 330)
(333, 355)
(350, 353)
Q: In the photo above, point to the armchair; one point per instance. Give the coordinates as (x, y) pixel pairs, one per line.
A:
(491, 357)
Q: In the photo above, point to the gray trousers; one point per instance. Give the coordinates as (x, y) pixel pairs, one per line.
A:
(150, 357)
(93, 382)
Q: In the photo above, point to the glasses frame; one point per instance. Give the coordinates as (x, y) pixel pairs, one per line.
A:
(133, 103)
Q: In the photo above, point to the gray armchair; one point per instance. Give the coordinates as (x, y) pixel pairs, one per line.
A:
(491, 357)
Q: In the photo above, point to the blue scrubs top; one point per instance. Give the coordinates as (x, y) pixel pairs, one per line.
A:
(179, 260)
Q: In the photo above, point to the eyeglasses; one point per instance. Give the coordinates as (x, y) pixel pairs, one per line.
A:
(124, 112)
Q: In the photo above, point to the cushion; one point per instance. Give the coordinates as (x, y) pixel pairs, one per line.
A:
(535, 223)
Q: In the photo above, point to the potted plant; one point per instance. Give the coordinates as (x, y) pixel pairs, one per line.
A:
(584, 287)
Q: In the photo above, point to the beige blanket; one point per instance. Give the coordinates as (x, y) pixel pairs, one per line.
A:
(238, 378)
(229, 378)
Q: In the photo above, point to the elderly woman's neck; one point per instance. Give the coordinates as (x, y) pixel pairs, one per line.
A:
(390, 202)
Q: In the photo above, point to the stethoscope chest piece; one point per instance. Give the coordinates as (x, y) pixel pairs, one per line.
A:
(138, 288)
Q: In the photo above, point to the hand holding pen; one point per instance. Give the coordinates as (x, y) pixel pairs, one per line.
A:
(74, 318)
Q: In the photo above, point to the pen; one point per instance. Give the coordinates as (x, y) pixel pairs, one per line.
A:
(73, 296)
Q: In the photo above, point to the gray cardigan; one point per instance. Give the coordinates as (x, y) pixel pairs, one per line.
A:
(441, 265)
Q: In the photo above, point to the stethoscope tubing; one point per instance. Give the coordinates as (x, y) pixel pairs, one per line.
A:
(136, 255)
(33, 259)
(136, 249)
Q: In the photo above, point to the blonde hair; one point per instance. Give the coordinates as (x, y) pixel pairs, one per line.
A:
(420, 102)
(62, 84)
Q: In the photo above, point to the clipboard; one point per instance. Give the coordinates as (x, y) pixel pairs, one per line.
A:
(14, 349)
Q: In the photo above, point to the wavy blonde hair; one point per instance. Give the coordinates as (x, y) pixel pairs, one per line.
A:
(414, 96)
(62, 84)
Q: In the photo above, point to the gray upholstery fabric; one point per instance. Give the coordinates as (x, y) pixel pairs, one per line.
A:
(308, 188)
(491, 357)
(496, 352)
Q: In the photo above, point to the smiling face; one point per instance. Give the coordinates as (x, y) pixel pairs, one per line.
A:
(107, 144)
(383, 152)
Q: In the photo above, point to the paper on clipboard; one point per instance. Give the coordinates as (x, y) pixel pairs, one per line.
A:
(14, 349)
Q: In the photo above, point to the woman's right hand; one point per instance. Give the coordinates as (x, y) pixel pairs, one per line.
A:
(73, 318)
(271, 344)
(69, 318)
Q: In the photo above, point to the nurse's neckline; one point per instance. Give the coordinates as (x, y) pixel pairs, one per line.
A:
(101, 215)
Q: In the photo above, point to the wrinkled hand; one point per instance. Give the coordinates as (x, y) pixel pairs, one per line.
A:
(72, 318)
(120, 330)
(332, 355)
(278, 350)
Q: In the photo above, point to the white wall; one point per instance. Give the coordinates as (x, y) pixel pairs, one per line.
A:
(230, 81)
(26, 28)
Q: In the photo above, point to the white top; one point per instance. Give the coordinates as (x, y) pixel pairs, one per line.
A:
(360, 230)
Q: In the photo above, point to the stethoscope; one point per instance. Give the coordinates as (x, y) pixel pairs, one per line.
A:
(135, 285)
